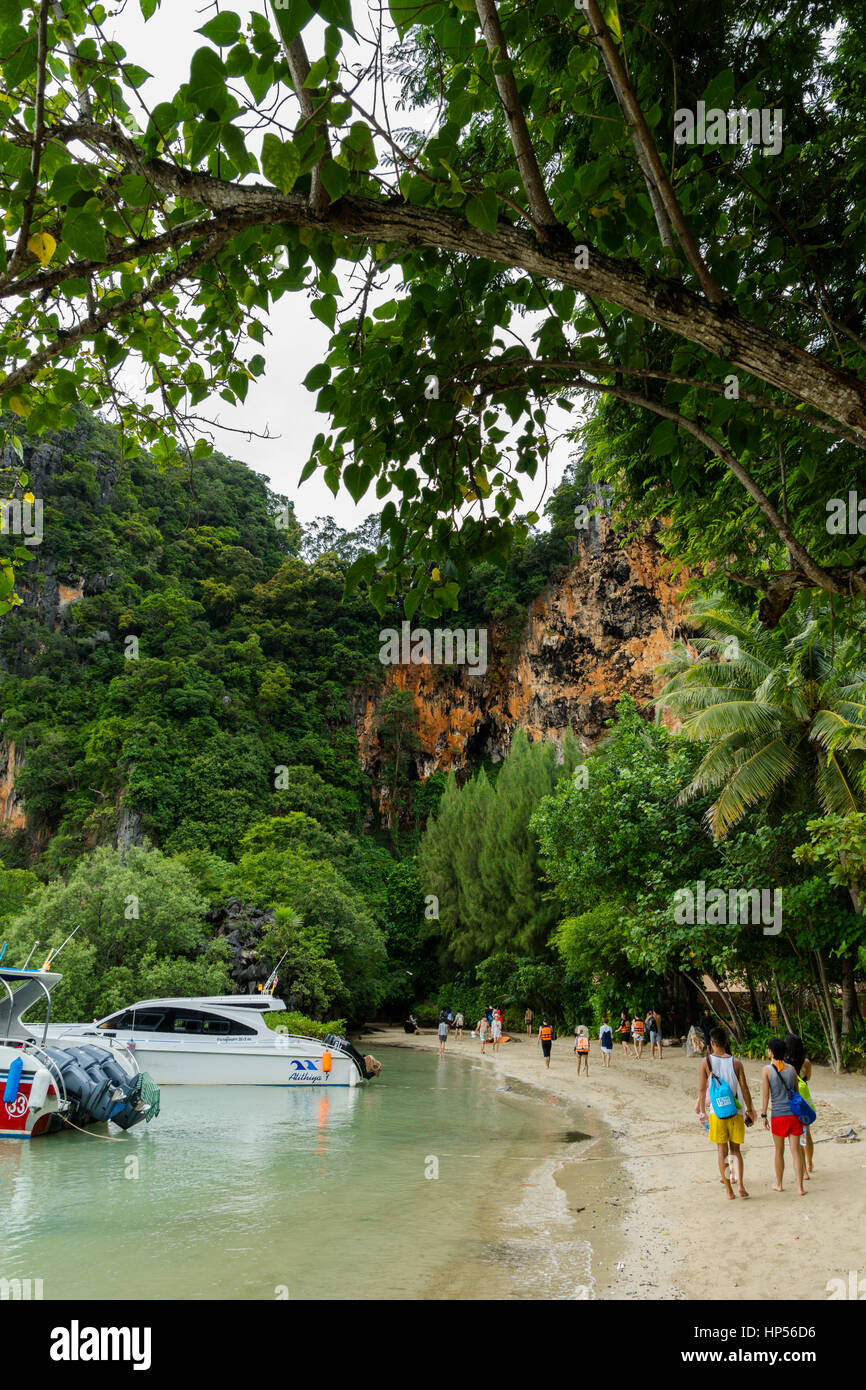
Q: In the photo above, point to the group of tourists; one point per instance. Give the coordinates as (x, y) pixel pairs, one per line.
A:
(489, 1028)
(635, 1031)
(449, 1020)
(724, 1106)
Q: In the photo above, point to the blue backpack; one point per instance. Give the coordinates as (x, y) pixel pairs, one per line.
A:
(722, 1098)
(800, 1107)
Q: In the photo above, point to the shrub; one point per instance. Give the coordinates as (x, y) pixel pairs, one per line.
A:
(302, 1026)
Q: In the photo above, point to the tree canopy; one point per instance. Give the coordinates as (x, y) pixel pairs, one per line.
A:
(549, 228)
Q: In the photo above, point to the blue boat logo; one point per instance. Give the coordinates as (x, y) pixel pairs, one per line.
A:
(304, 1064)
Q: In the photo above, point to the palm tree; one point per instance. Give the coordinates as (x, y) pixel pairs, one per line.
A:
(784, 713)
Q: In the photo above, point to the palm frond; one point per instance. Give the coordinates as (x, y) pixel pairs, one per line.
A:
(756, 779)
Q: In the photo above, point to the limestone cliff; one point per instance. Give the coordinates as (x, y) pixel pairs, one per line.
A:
(596, 632)
(12, 813)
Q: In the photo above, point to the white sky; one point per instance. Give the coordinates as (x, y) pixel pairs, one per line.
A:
(276, 402)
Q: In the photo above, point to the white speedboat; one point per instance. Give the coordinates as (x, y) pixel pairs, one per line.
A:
(43, 1085)
(222, 1040)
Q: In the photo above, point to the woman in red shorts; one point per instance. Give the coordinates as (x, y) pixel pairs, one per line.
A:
(779, 1079)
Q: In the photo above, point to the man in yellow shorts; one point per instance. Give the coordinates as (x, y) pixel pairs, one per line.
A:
(728, 1134)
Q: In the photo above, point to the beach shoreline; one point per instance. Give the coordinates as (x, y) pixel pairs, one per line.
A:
(645, 1190)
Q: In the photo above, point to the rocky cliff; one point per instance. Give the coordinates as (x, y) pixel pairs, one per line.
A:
(596, 632)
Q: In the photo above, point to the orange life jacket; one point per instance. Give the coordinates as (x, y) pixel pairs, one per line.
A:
(582, 1044)
(546, 1033)
(638, 1026)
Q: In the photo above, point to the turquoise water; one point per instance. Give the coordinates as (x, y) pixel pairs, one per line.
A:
(261, 1193)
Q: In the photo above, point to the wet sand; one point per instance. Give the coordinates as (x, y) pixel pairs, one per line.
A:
(644, 1193)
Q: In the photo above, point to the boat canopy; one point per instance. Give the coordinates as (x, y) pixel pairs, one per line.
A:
(19, 991)
(258, 1003)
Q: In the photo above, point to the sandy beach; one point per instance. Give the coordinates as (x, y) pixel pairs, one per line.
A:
(645, 1191)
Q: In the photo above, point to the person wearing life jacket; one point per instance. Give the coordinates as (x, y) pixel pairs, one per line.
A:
(625, 1033)
(581, 1047)
(545, 1038)
(638, 1031)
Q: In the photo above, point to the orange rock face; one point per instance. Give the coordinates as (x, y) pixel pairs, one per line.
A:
(597, 632)
(11, 809)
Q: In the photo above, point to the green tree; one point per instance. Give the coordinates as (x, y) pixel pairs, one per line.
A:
(784, 714)
(555, 179)
(140, 921)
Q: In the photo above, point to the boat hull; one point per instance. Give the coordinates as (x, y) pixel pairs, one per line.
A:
(17, 1119)
(236, 1064)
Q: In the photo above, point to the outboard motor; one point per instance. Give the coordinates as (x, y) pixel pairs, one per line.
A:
(87, 1093)
(343, 1045)
(99, 1088)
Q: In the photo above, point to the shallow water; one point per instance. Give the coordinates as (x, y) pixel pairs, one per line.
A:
(237, 1193)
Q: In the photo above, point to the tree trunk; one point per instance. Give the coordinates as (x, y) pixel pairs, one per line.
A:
(851, 1016)
(831, 1030)
(754, 1002)
(780, 1001)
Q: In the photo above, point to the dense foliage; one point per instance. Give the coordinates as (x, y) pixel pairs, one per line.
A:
(546, 230)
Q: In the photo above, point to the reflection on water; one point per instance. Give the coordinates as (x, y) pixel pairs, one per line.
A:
(266, 1193)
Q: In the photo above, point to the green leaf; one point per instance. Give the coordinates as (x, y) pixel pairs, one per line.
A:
(720, 92)
(207, 81)
(483, 211)
(281, 163)
(325, 309)
(404, 14)
(291, 16)
(84, 235)
(338, 12)
(319, 376)
(357, 479)
(663, 438)
(223, 29)
(410, 603)
(335, 178)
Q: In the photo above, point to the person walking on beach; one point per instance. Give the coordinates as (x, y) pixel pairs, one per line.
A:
(483, 1031)
(722, 1087)
(496, 1029)
(638, 1029)
(545, 1038)
(605, 1037)
(443, 1031)
(654, 1024)
(795, 1053)
(625, 1033)
(581, 1047)
(527, 1019)
(779, 1079)
(458, 1024)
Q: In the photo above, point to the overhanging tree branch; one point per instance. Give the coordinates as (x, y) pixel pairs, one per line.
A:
(18, 257)
(720, 329)
(648, 155)
(540, 210)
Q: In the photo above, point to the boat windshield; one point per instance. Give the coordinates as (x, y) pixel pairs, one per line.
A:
(177, 1021)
